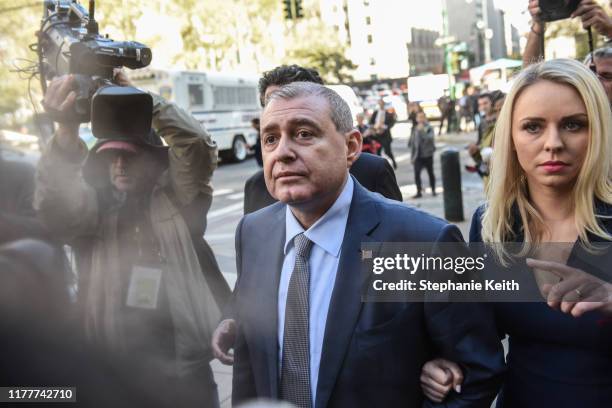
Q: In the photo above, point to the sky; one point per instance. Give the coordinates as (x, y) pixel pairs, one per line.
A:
(516, 13)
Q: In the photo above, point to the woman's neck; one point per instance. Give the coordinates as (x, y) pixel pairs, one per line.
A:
(552, 204)
(557, 211)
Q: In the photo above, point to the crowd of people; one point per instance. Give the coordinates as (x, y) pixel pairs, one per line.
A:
(137, 309)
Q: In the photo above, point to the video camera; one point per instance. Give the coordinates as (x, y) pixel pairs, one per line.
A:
(553, 10)
(69, 43)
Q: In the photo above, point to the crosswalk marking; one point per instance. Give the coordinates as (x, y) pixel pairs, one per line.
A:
(226, 210)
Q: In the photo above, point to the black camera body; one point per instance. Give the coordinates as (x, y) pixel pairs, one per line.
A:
(69, 43)
(553, 10)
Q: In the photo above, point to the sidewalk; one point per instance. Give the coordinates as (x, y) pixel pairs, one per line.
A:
(473, 196)
(471, 184)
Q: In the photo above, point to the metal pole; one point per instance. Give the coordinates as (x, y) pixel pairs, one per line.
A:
(451, 182)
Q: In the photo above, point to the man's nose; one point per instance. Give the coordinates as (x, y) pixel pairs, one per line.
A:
(120, 161)
(285, 151)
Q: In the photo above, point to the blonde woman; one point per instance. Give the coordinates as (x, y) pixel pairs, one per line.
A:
(551, 183)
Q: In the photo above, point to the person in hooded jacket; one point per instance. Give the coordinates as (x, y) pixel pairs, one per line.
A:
(134, 212)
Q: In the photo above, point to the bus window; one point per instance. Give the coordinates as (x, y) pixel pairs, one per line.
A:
(196, 94)
(235, 96)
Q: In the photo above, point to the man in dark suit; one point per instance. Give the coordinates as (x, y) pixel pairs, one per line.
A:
(303, 333)
(371, 171)
(382, 121)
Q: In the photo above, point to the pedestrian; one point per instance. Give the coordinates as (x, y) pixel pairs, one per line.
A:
(134, 210)
(304, 335)
(550, 187)
(482, 152)
(370, 144)
(591, 14)
(444, 107)
(422, 147)
(373, 172)
(381, 122)
(255, 125)
(465, 111)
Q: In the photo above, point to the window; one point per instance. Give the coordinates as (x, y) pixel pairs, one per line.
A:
(196, 94)
(368, 20)
(372, 61)
(369, 38)
(234, 95)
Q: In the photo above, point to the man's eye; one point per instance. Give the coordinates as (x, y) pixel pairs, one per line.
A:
(303, 134)
(269, 139)
(531, 127)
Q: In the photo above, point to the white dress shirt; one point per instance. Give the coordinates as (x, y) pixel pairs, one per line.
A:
(327, 235)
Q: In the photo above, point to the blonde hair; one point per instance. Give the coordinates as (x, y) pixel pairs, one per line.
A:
(508, 184)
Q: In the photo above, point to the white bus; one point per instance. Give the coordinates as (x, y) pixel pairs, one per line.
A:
(224, 103)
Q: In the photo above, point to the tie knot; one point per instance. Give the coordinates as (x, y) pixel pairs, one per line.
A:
(302, 245)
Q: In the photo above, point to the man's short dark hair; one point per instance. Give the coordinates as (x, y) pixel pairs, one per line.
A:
(285, 74)
(600, 53)
(496, 96)
(486, 95)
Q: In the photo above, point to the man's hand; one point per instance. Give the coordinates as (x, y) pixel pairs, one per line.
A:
(223, 340)
(537, 25)
(473, 149)
(577, 293)
(593, 15)
(60, 95)
(438, 377)
(121, 78)
(59, 99)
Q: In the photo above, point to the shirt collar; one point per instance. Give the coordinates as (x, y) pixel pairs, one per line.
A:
(328, 231)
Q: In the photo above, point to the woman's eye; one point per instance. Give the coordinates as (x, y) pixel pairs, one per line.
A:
(531, 127)
(573, 126)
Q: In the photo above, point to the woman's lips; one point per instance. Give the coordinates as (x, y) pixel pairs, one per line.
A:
(554, 166)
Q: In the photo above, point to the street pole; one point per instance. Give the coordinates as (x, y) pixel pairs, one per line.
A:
(487, 40)
(447, 61)
(449, 69)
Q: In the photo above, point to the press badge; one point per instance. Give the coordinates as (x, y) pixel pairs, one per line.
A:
(144, 287)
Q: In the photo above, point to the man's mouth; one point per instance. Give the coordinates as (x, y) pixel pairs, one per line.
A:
(123, 177)
(288, 174)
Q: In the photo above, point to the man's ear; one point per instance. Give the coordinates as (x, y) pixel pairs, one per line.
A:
(354, 142)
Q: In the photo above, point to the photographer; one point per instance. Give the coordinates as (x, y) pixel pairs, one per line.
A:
(134, 212)
(591, 14)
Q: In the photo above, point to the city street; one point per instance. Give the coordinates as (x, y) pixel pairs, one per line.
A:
(112, 114)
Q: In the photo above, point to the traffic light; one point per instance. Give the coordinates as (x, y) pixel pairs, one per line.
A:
(299, 12)
(288, 9)
(293, 9)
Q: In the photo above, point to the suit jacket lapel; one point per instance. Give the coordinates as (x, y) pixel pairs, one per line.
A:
(270, 236)
(345, 303)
